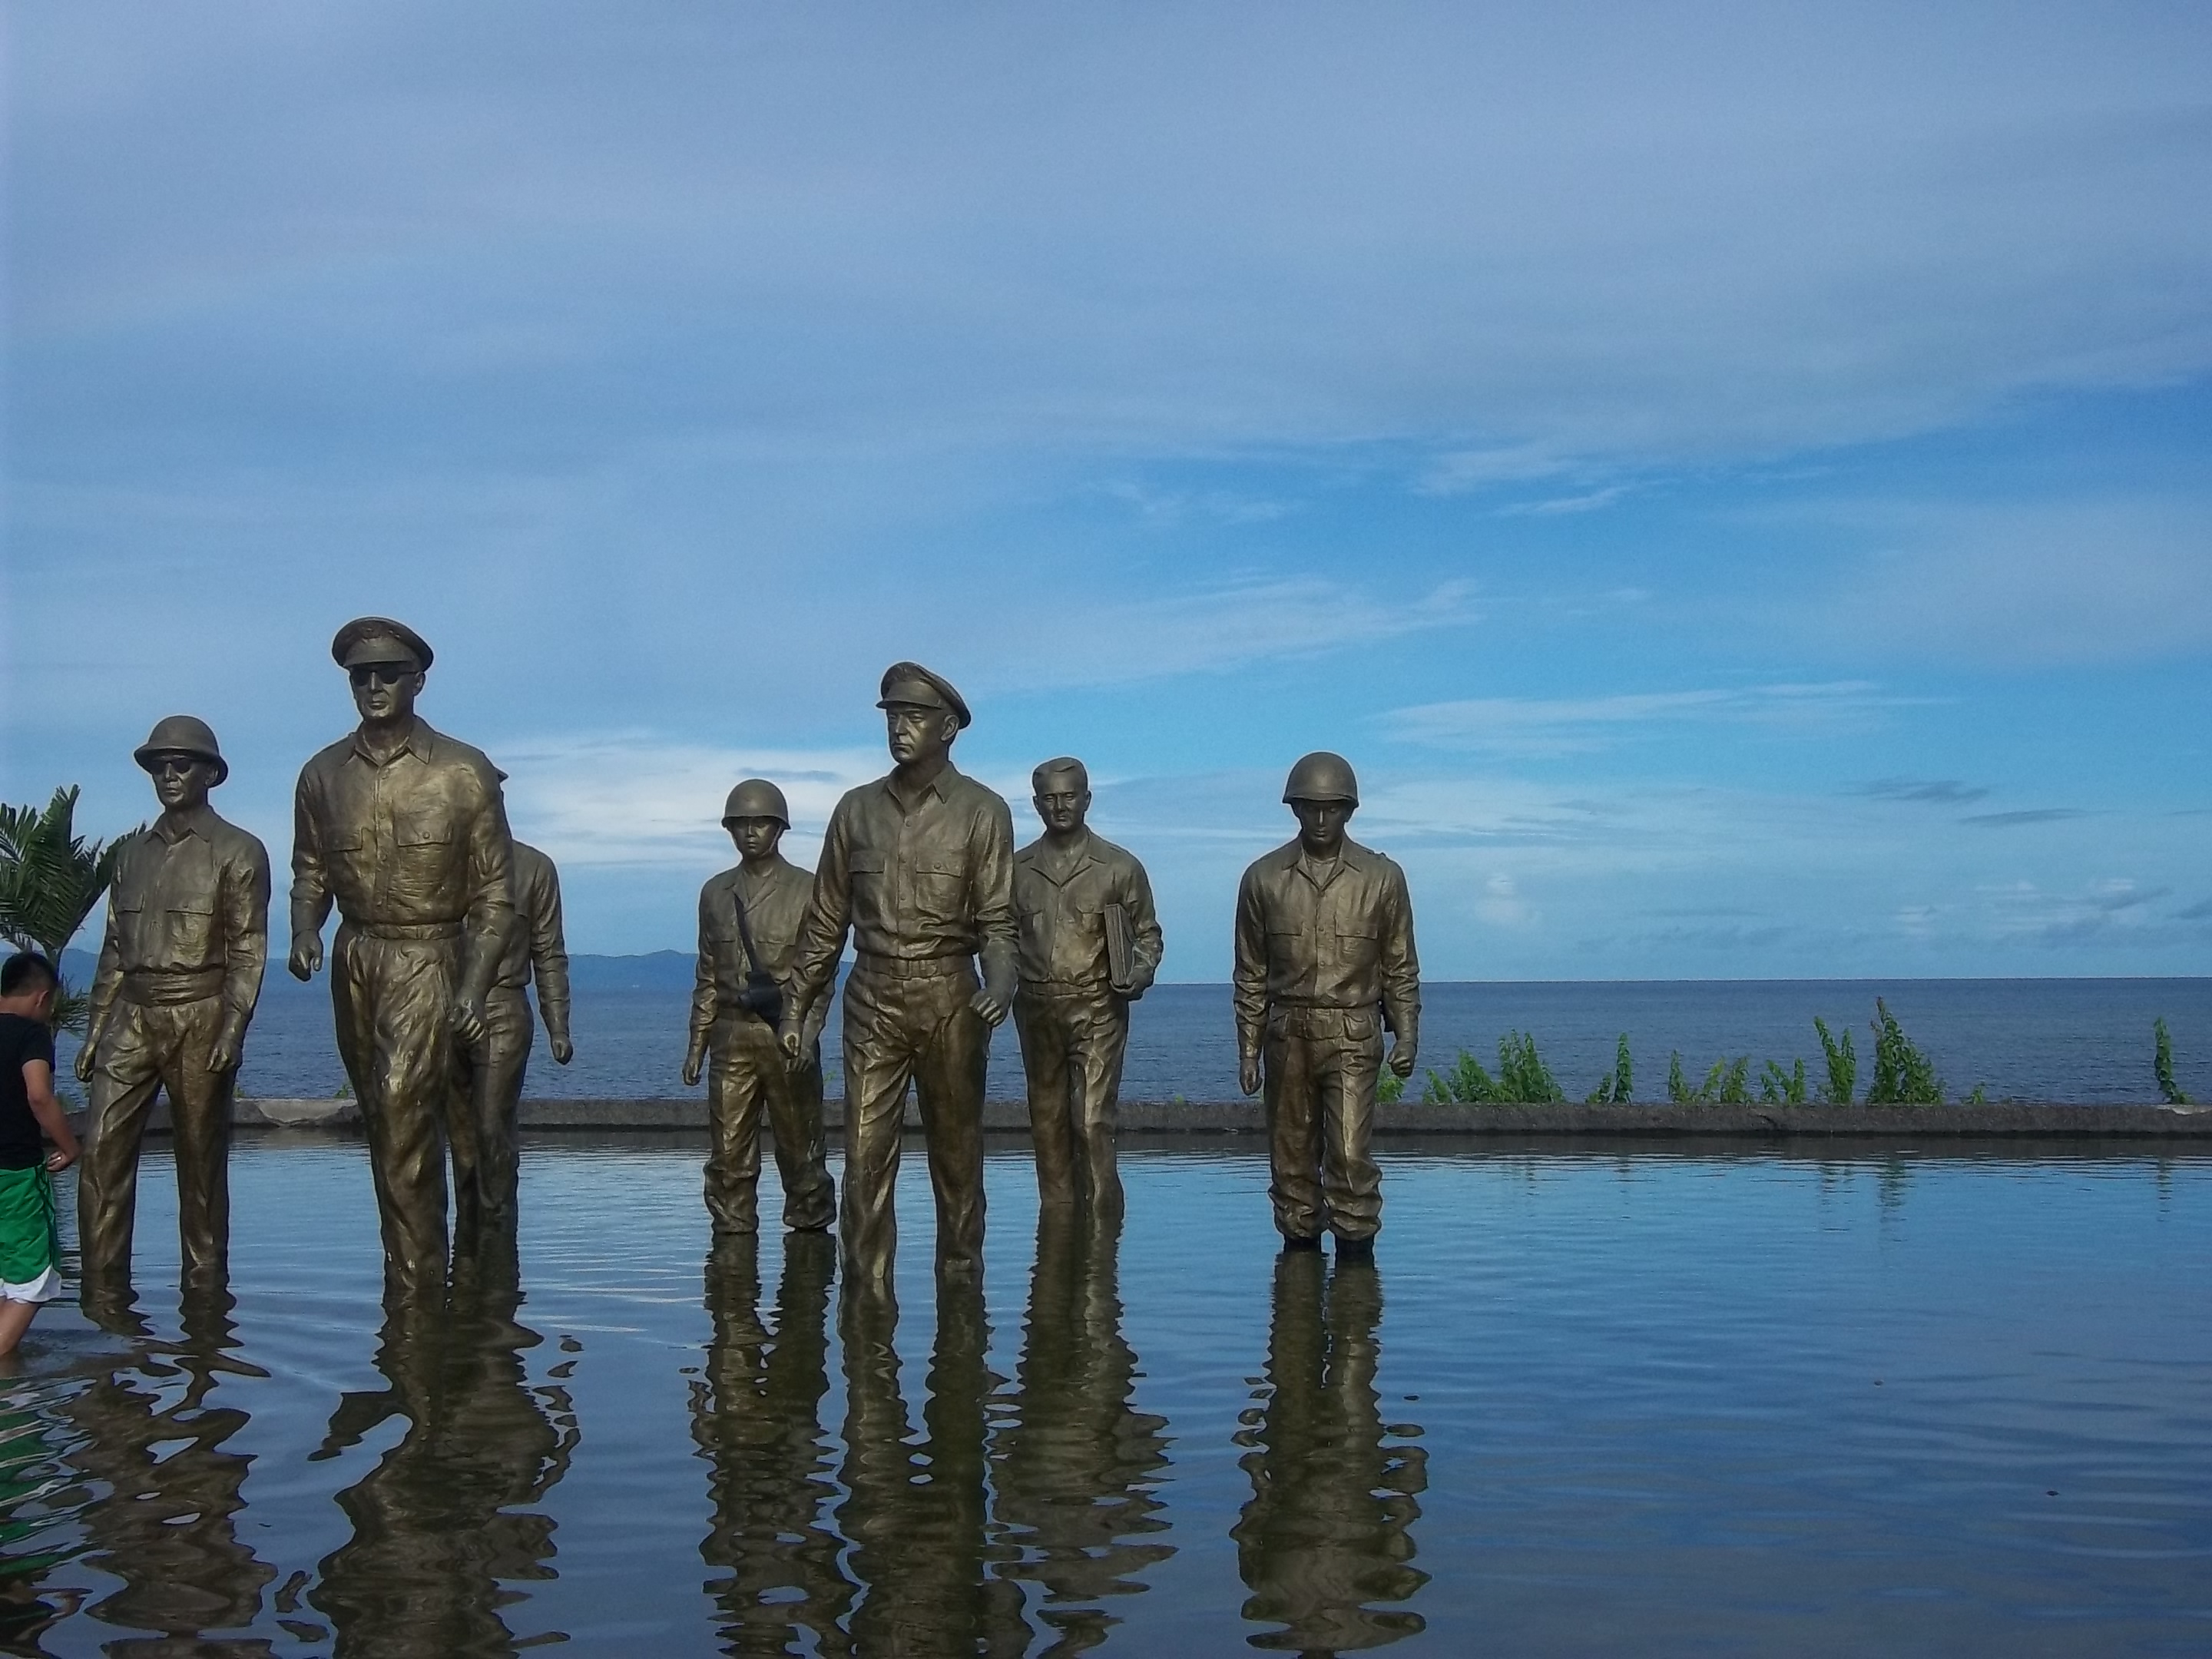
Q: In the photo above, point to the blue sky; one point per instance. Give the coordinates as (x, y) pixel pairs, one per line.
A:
(1735, 479)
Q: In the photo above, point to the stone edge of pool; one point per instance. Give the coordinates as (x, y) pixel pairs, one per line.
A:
(1996, 1120)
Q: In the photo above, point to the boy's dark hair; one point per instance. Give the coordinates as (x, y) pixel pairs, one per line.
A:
(27, 970)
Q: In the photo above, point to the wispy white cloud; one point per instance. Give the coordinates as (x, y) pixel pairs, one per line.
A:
(1541, 727)
(2020, 582)
(1226, 626)
(613, 799)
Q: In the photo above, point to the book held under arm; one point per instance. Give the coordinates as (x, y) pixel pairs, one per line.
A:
(1121, 951)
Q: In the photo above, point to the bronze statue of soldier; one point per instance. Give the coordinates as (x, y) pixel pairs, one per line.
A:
(920, 866)
(1325, 960)
(179, 974)
(405, 829)
(1090, 944)
(749, 921)
(486, 1148)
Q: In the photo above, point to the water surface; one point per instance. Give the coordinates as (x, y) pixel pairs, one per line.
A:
(1587, 1400)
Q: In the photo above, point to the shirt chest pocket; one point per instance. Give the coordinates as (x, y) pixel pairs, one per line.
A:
(423, 844)
(190, 924)
(1358, 941)
(939, 880)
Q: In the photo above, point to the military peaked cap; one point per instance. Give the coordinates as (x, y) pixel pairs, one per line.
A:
(182, 734)
(371, 639)
(910, 683)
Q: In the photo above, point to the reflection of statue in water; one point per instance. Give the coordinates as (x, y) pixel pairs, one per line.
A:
(453, 1508)
(1326, 1534)
(1075, 1469)
(487, 1154)
(167, 1526)
(757, 1417)
(915, 1514)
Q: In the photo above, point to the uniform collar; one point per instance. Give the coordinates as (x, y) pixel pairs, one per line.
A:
(1040, 857)
(197, 822)
(940, 785)
(1291, 855)
(421, 742)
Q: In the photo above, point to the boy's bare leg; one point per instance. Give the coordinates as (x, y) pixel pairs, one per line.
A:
(14, 1318)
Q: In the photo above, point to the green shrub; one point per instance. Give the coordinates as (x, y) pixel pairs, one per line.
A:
(1466, 1085)
(1390, 1088)
(1523, 1078)
(1779, 1088)
(1616, 1089)
(1903, 1075)
(2161, 1066)
(1843, 1065)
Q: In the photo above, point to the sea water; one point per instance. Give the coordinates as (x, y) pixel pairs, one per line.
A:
(2083, 1040)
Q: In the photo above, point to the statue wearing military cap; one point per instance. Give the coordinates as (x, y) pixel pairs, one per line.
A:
(1325, 963)
(919, 867)
(179, 973)
(404, 830)
(749, 918)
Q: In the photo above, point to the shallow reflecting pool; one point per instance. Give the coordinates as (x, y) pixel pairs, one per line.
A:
(1587, 1399)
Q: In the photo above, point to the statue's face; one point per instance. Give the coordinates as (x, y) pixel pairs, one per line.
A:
(918, 734)
(181, 781)
(385, 691)
(1321, 824)
(754, 838)
(1062, 803)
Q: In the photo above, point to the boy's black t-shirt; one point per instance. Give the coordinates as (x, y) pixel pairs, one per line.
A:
(21, 1040)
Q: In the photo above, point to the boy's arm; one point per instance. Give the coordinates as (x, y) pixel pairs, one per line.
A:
(39, 1085)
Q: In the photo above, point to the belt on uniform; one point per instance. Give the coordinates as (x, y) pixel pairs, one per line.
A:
(406, 930)
(1065, 990)
(867, 961)
(160, 988)
(1308, 1020)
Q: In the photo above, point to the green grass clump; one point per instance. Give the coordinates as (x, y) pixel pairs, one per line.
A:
(1728, 1084)
(1843, 1065)
(1390, 1088)
(1523, 1078)
(1779, 1088)
(1903, 1075)
(2161, 1066)
(1615, 1091)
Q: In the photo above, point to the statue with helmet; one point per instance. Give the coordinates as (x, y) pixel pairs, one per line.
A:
(919, 867)
(1325, 964)
(749, 921)
(181, 966)
(404, 830)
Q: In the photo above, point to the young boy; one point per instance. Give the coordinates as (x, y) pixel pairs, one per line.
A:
(29, 1249)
